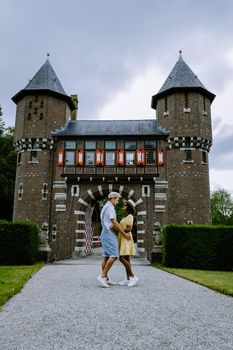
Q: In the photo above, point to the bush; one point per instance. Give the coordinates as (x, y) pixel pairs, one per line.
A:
(198, 247)
(19, 243)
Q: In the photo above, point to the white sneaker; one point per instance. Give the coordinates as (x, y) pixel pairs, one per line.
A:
(133, 281)
(124, 283)
(103, 281)
(111, 282)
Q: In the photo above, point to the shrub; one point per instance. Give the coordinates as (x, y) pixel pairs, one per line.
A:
(19, 243)
(198, 246)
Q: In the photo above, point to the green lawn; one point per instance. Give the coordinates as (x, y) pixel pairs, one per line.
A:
(221, 281)
(12, 279)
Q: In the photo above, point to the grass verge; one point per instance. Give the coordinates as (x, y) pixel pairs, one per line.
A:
(221, 281)
(13, 278)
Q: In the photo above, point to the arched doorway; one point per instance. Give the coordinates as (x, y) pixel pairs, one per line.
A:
(82, 214)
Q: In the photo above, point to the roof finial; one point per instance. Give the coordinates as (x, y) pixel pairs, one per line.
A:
(180, 52)
(48, 54)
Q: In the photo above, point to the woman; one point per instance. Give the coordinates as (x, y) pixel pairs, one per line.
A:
(126, 247)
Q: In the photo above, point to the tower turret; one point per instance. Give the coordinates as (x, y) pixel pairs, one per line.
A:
(42, 106)
(183, 106)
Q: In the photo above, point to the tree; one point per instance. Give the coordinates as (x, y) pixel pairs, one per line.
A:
(7, 170)
(221, 207)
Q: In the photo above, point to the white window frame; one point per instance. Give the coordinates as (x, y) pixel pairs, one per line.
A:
(73, 194)
(145, 190)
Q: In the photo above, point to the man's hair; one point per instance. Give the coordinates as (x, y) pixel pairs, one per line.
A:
(114, 195)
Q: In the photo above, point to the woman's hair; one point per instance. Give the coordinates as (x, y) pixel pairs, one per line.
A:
(129, 209)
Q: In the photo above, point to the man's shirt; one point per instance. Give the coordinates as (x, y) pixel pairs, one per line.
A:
(108, 213)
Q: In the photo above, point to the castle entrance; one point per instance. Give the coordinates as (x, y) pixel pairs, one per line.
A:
(87, 218)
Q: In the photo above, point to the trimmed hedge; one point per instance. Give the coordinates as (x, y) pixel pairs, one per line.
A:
(198, 247)
(18, 243)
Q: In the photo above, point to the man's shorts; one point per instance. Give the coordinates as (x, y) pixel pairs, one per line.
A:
(109, 244)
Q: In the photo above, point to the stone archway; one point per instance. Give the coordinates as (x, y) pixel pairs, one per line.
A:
(98, 192)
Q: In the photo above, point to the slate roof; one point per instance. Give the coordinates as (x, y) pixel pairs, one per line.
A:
(112, 128)
(44, 81)
(181, 78)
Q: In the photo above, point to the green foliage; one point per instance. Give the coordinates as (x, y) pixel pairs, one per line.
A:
(12, 279)
(198, 246)
(221, 281)
(7, 171)
(222, 207)
(19, 243)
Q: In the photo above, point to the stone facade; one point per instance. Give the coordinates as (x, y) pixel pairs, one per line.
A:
(59, 195)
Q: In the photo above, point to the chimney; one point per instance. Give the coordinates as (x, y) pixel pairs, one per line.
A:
(74, 112)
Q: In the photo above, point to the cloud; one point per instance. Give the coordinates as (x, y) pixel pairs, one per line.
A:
(98, 48)
(221, 155)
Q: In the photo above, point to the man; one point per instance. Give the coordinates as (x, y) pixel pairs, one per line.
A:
(109, 238)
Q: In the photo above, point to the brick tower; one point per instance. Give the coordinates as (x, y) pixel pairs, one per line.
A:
(183, 106)
(42, 106)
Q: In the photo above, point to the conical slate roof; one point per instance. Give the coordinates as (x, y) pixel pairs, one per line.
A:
(181, 78)
(45, 81)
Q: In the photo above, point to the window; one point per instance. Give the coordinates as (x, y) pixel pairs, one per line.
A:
(130, 158)
(35, 111)
(20, 191)
(150, 144)
(90, 144)
(110, 144)
(69, 159)
(188, 156)
(19, 158)
(75, 190)
(29, 116)
(34, 144)
(187, 142)
(33, 152)
(45, 191)
(30, 104)
(70, 144)
(204, 157)
(150, 157)
(36, 98)
(33, 157)
(165, 104)
(41, 116)
(204, 106)
(41, 104)
(186, 101)
(90, 158)
(146, 191)
(130, 145)
(109, 158)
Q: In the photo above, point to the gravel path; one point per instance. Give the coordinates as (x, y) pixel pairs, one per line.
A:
(62, 307)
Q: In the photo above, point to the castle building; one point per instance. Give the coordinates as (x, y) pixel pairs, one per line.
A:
(66, 165)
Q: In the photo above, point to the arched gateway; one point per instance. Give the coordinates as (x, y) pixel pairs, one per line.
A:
(97, 193)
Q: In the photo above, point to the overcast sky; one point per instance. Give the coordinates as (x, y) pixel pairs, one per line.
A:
(115, 54)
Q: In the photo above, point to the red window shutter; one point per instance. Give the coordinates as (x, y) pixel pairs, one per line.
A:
(120, 157)
(80, 157)
(160, 157)
(140, 157)
(60, 159)
(99, 157)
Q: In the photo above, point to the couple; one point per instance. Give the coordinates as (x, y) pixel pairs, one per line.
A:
(117, 240)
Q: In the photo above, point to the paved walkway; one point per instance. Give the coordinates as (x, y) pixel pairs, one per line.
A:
(62, 307)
